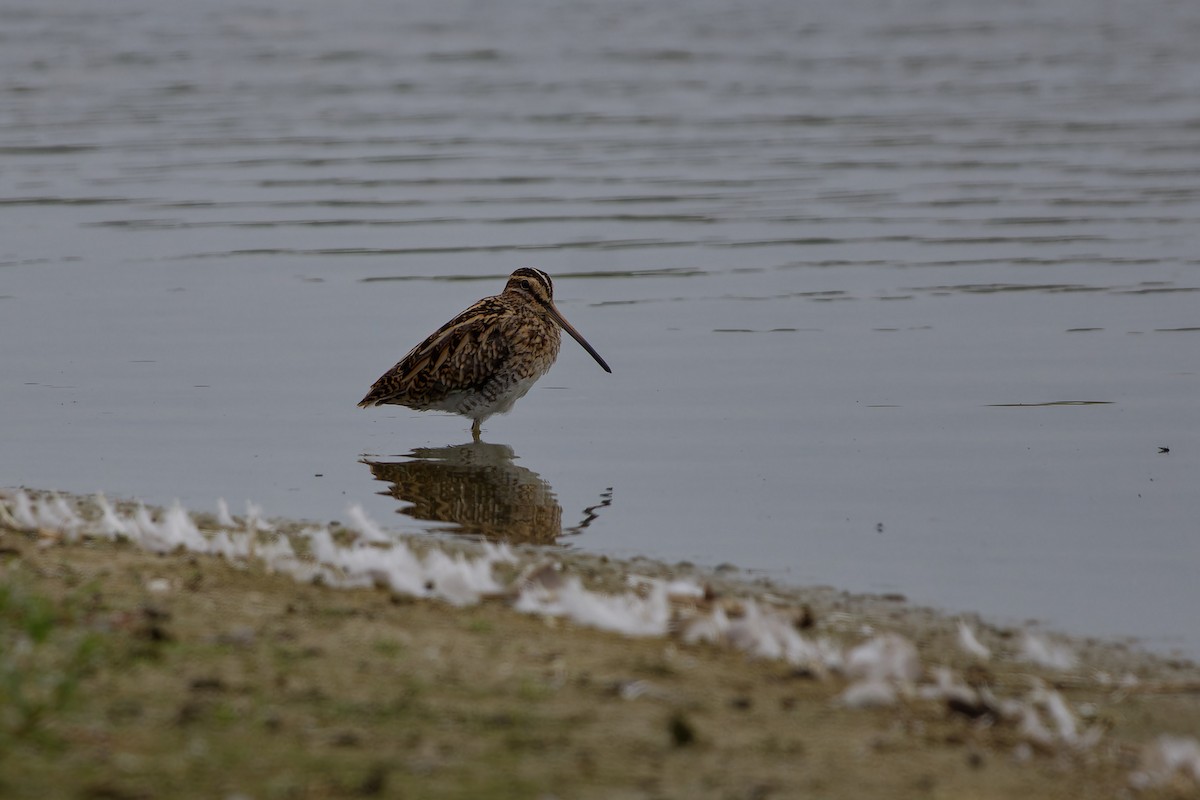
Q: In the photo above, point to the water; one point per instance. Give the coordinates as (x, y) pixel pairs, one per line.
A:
(899, 297)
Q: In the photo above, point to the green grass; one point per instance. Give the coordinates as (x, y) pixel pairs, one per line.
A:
(45, 654)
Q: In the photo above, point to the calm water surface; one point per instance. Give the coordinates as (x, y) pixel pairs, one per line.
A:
(898, 296)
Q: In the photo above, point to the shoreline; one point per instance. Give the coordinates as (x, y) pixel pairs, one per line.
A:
(561, 673)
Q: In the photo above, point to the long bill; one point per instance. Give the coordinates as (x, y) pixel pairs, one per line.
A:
(566, 326)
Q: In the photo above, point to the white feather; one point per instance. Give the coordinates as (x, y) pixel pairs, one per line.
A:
(970, 644)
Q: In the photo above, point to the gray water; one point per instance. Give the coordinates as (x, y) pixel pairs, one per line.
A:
(899, 296)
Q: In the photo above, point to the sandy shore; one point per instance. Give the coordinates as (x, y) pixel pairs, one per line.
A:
(156, 653)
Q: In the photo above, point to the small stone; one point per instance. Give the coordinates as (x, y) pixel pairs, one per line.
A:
(681, 730)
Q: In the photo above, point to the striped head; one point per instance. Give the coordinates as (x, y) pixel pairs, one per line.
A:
(533, 283)
(536, 285)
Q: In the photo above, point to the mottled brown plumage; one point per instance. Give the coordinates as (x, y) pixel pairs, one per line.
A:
(485, 359)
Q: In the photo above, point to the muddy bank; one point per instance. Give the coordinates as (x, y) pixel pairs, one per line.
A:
(156, 653)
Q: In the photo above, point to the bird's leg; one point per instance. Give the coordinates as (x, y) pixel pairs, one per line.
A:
(475, 431)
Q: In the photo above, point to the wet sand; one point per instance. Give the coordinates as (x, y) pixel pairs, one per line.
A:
(132, 673)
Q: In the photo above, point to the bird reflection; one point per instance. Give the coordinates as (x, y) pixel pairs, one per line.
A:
(478, 490)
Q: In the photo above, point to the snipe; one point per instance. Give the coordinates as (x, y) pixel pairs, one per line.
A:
(484, 360)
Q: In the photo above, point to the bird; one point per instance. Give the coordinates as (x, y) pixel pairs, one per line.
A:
(485, 359)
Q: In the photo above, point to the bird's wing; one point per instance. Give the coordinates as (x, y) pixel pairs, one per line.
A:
(459, 356)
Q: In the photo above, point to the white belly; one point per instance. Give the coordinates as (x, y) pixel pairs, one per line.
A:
(478, 406)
